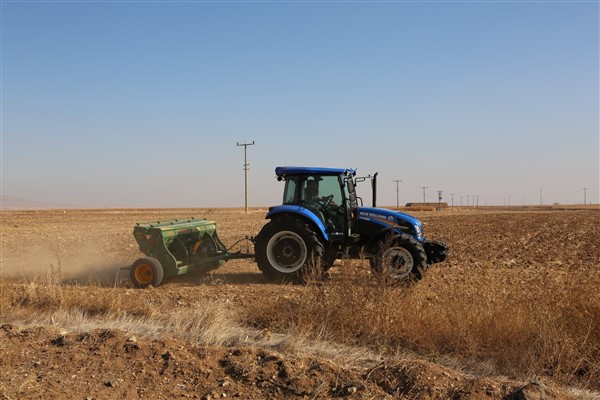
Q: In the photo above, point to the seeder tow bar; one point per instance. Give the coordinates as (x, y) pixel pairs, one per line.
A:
(178, 247)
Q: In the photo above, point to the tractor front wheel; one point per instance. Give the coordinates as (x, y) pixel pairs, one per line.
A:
(146, 272)
(288, 250)
(399, 258)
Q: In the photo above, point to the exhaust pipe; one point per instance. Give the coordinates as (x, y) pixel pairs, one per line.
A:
(374, 187)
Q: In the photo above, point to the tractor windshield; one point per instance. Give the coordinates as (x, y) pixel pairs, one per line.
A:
(321, 187)
(304, 189)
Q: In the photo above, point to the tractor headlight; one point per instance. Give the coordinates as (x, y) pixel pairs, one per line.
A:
(419, 231)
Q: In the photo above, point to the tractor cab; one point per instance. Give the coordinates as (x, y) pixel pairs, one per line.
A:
(327, 195)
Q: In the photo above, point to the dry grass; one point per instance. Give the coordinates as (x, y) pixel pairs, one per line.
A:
(148, 313)
(542, 326)
(71, 307)
(545, 325)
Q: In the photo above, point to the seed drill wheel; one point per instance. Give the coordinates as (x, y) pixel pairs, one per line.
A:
(146, 272)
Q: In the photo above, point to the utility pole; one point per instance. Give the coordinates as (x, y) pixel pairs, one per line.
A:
(585, 195)
(452, 196)
(423, 187)
(541, 197)
(397, 194)
(246, 165)
(439, 200)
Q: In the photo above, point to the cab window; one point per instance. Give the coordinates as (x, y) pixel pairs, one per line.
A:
(319, 187)
(330, 185)
(289, 194)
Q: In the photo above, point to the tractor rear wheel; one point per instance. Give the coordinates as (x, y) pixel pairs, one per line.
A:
(146, 272)
(288, 250)
(399, 258)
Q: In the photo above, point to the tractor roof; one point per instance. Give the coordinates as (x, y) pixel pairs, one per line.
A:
(283, 171)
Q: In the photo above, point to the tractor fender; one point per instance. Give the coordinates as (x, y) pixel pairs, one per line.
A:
(298, 210)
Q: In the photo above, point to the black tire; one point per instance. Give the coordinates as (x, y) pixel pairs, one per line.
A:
(146, 272)
(400, 258)
(288, 250)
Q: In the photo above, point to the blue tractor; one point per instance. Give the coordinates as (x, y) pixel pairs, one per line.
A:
(322, 219)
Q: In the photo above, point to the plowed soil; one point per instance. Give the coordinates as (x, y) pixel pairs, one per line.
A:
(88, 247)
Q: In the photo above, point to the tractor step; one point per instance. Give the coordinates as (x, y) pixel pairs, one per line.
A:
(338, 237)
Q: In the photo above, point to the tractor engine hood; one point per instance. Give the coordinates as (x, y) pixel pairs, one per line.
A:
(392, 219)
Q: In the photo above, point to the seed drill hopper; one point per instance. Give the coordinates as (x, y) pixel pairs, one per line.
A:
(177, 247)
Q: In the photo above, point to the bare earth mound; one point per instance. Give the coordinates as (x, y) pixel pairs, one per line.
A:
(109, 364)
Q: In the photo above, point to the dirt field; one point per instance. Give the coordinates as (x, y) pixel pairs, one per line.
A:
(518, 301)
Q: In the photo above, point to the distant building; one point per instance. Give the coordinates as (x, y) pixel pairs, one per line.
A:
(434, 205)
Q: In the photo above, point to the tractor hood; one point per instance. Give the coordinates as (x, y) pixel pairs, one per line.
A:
(390, 219)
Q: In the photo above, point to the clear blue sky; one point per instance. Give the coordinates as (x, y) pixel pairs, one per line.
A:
(142, 103)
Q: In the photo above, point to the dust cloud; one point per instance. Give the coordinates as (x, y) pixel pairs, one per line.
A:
(82, 265)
